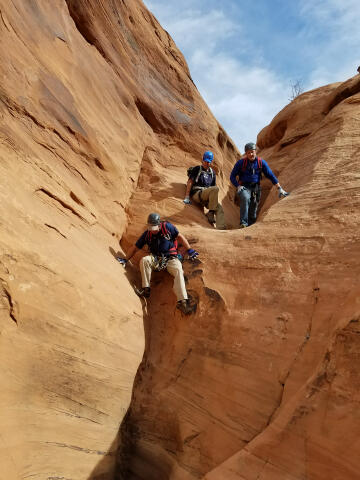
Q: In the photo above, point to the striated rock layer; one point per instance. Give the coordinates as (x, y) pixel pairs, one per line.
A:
(314, 317)
(99, 121)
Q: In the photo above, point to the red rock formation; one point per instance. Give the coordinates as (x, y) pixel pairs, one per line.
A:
(261, 382)
(313, 432)
(89, 92)
(99, 121)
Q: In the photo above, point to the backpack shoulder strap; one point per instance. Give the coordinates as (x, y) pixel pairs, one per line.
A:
(198, 174)
(259, 163)
(163, 228)
(165, 232)
(244, 165)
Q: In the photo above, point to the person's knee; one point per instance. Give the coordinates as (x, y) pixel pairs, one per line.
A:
(145, 261)
(179, 273)
(245, 196)
(213, 192)
(174, 266)
(178, 267)
(196, 198)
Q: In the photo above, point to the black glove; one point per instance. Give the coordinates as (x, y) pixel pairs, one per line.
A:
(123, 261)
(192, 253)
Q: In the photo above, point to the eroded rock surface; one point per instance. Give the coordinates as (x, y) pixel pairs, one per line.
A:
(90, 93)
(262, 382)
(99, 121)
(313, 432)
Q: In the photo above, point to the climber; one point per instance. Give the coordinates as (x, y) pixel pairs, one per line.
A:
(203, 190)
(162, 237)
(248, 170)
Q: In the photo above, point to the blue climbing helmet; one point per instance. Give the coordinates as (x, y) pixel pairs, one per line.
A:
(208, 156)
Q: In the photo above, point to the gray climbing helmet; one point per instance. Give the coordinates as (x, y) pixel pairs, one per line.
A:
(153, 219)
(250, 146)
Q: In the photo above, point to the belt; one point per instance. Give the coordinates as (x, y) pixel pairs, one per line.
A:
(251, 185)
(197, 189)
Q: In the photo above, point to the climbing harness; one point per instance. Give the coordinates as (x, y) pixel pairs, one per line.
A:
(159, 262)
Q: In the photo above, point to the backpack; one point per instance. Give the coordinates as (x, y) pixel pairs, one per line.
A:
(190, 170)
(166, 234)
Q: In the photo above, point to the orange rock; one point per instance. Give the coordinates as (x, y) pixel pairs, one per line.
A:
(90, 93)
(99, 121)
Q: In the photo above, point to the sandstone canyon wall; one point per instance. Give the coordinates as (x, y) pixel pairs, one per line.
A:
(99, 121)
(91, 93)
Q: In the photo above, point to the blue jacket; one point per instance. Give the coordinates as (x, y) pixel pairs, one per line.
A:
(252, 173)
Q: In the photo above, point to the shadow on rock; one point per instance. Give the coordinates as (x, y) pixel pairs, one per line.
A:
(153, 443)
(106, 468)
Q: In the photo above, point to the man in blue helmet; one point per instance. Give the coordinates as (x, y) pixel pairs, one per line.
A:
(161, 238)
(246, 176)
(202, 188)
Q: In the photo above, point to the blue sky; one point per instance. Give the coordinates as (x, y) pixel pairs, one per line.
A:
(244, 55)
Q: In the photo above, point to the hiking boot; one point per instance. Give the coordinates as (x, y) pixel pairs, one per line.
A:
(185, 307)
(211, 217)
(242, 225)
(143, 292)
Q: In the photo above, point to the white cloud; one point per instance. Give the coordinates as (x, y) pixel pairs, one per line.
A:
(244, 74)
(336, 24)
(195, 28)
(244, 98)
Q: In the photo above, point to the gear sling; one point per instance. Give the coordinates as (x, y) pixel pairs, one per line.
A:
(254, 187)
(160, 261)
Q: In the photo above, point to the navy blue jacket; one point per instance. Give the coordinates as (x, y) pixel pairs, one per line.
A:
(252, 173)
(158, 244)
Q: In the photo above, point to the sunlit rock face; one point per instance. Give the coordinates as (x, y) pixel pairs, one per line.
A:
(91, 93)
(313, 319)
(99, 121)
(262, 381)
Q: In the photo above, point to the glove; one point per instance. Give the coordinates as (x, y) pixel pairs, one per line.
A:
(240, 188)
(282, 193)
(187, 201)
(192, 253)
(123, 261)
